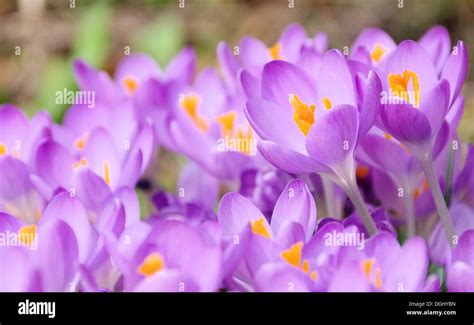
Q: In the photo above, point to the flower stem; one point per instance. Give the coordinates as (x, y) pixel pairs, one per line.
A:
(427, 165)
(352, 191)
(329, 198)
(410, 215)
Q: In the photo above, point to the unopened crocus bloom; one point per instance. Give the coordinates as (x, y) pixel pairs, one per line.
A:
(154, 260)
(460, 271)
(416, 102)
(384, 265)
(313, 125)
(373, 46)
(116, 213)
(249, 237)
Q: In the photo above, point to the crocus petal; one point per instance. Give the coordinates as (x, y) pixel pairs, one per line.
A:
(211, 90)
(406, 124)
(9, 223)
(278, 277)
(371, 37)
(441, 139)
(89, 79)
(464, 250)
(310, 60)
(335, 80)
(435, 105)
(101, 150)
(182, 67)
(463, 220)
(54, 164)
(437, 43)
(90, 188)
(131, 169)
(320, 42)
(144, 142)
(409, 55)
(389, 155)
(111, 217)
(128, 198)
(318, 244)
(291, 41)
(191, 254)
(455, 70)
(290, 233)
(334, 135)
(70, 210)
(385, 248)
(288, 160)
(281, 80)
(137, 65)
(15, 179)
(253, 53)
(235, 213)
(227, 61)
(250, 84)
(400, 277)
(57, 255)
(195, 181)
(455, 113)
(16, 272)
(370, 104)
(13, 125)
(167, 281)
(349, 278)
(459, 277)
(276, 123)
(295, 204)
(361, 55)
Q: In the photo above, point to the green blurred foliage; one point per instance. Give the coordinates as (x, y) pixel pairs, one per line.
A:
(91, 44)
(161, 39)
(92, 40)
(57, 76)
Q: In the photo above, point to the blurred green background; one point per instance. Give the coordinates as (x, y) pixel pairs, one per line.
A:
(50, 33)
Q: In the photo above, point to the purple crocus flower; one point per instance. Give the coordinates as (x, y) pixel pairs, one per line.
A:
(132, 76)
(398, 179)
(416, 102)
(373, 46)
(211, 133)
(58, 166)
(18, 136)
(382, 266)
(44, 257)
(314, 125)
(153, 260)
(263, 187)
(460, 271)
(463, 220)
(251, 240)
